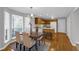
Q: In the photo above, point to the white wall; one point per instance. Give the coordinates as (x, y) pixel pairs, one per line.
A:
(62, 25)
(1, 28)
(73, 27)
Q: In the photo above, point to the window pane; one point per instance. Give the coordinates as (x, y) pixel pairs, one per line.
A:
(6, 27)
(17, 25)
(27, 24)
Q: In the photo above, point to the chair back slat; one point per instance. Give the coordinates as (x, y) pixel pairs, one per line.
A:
(17, 37)
(26, 40)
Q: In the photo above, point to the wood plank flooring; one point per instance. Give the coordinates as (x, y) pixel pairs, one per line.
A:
(59, 42)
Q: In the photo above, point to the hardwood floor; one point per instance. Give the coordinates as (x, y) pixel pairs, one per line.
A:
(59, 42)
(8, 48)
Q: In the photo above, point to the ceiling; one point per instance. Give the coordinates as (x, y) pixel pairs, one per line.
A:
(45, 12)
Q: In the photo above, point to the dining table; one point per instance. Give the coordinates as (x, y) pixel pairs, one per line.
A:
(36, 36)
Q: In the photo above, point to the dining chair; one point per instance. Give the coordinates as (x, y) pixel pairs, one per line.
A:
(18, 40)
(28, 42)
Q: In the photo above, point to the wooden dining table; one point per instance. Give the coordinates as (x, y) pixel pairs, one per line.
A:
(36, 36)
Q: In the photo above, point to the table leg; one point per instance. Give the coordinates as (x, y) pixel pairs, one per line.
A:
(36, 46)
(23, 48)
(39, 42)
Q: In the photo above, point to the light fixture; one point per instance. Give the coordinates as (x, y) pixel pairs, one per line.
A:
(32, 15)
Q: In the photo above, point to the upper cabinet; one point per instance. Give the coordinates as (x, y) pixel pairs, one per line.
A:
(43, 21)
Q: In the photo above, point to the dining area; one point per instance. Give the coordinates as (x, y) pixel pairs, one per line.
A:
(28, 41)
(34, 40)
(30, 33)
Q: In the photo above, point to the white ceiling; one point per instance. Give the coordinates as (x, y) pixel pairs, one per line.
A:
(46, 12)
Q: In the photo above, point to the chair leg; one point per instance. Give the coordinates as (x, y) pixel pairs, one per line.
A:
(24, 48)
(20, 46)
(16, 45)
(29, 49)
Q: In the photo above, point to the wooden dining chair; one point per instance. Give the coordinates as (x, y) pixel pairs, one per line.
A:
(18, 40)
(28, 42)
